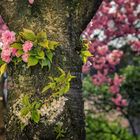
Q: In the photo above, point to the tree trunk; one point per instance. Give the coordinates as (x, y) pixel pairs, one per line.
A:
(63, 20)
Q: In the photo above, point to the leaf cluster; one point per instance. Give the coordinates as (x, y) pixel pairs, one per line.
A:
(59, 131)
(31, 108)
(85, 53)
(100, 128)
(42, 51)
(59, 85)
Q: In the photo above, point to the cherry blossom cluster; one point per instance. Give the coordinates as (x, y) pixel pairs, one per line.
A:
(115, 25)
(8, 37)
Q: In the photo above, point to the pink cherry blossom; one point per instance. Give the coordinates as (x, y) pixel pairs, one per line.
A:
(117, 100)
(6, 54)
(102, 50)
(98, 62)
(86, 67)
(8, 37)
(14, 50)
(98, 79)
(31, 1)
(136, 46)
(124, 102)
(114, 57)
(114, 89)
(117, 81)
(27, 46)
(25, 57)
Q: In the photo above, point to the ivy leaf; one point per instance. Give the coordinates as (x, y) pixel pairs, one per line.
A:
(16, 45)
(3, 69)
(32, 61)
(52, 45)
(35, 116)
(28, 35)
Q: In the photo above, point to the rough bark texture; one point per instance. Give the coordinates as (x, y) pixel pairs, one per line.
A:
(63, 20)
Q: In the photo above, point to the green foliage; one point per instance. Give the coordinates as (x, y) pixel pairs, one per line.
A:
(85, 53)
(59, 85)
(42, 51)
(59, 131)
(30, 108)
(98, 128)
(3, 69)
(28, 35)
(131, 87)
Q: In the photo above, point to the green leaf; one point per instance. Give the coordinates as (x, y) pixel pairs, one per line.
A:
(41, 54)
(20, 52)
(25, 100)
(1, 62)
(24, 111)
(28, 35)
(44, 44)
(41, 36)
(45, 62)
(16, 45)
(3, 69)
(32, 61)
(52, 44)
(37, 105)
(62, 72)
(49, 55)
(35, 116)
(49, 86)
(85, 55)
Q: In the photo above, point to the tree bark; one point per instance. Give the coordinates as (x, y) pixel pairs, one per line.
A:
(63, 20)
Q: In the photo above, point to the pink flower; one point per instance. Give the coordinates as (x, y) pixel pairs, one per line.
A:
(27, 46)
(114, 57)
(86, 67)
(102, 50)
(114, 89)
(8, 37)
(98, 79)
(118, 80)
(6, 54)
(25, 57)
(117, 100)
(99, 62)
(31, 1)
(124, 102)
(14, 50)
(136, 46)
